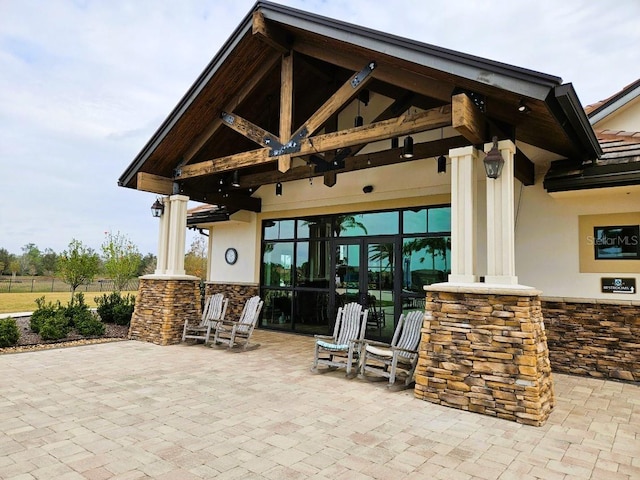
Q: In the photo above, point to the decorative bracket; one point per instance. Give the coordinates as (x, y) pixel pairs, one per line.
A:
(362, 74)
(292, 146)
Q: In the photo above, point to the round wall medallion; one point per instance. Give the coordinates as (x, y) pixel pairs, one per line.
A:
(231, 256)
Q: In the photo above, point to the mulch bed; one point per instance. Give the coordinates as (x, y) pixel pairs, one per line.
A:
(30, 341)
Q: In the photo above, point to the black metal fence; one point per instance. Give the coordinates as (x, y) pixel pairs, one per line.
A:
(52, 284)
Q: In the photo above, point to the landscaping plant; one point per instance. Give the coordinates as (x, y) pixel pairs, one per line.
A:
(9, 333)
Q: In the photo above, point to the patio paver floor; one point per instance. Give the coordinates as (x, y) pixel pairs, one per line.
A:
(129, 410)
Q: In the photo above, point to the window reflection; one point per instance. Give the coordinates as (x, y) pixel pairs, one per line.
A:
(439, 219)
(277, 264)
(278, 229)
(378, 223)
(312, 264)
(425, 260)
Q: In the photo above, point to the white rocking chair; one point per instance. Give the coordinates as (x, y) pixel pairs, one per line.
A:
(236, 333)
(401, 355)
(215, 308)
(340, 350)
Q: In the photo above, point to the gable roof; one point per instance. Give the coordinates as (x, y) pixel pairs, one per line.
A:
(602, 109)
(327, 53)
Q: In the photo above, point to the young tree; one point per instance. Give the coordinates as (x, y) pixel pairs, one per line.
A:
(31, 260)
(195, 261)
(78, 266)
(121, 259)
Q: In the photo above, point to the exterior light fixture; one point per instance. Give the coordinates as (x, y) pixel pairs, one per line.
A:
(407, 151)
(442, 164)
(493, 162)
(157, 209)
(523, 107)
(278, 189)
(235, 179)
(394, 142)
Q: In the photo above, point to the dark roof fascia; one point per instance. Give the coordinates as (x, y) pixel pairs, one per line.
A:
(601, 176)
(209, 216)
(518, 80)
(188, 98)
(615, 102)
(566, 107)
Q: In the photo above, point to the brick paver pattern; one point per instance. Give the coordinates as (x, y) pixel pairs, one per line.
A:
(129, 410)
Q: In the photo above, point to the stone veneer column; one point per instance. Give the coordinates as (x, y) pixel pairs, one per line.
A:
(162, 305)
(484, 350)
(237, 293)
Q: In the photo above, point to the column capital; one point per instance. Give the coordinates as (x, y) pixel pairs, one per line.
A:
(463, 151)
(502, 146)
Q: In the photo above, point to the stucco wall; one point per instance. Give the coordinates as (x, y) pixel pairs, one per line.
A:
(547, 239)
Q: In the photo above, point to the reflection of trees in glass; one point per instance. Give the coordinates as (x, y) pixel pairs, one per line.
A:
(344, 223)
(434, 246)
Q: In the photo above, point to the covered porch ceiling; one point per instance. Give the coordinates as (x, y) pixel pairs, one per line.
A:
(277, 104)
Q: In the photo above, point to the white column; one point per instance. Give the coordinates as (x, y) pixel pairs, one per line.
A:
(463, 215)
(163, 239)
(177, 234)
(501, 255)
(210, 254)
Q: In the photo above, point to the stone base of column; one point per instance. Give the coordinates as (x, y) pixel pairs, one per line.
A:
(163, 304)
(237, 293)
(484, 350)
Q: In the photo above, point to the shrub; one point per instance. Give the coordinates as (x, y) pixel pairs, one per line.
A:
(9, 333)
(76, 309)
(55, 327)
(88, 325)
(42, 313)
(114, 308)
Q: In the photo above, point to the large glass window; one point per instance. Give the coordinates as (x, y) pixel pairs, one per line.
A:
(311, 265)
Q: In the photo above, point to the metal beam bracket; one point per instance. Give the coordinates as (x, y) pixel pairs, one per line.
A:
(292, 146)
(227, 118)
(364, 73)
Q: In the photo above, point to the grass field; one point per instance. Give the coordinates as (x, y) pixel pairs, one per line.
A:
(26, 302)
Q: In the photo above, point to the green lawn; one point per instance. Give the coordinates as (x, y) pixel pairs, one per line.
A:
(26, 302)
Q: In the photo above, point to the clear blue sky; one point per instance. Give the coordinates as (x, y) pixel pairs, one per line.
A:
(84, 84)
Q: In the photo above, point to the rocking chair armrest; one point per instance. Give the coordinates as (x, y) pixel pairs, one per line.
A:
(323, 337)
(399, 349)
(375, 343)
(228, 322)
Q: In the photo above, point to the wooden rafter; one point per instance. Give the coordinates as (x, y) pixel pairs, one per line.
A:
(286, 107)
(238, 98)
(387, 73)
(248, 129)
(344, 95)
(403, 125)
(269, 34)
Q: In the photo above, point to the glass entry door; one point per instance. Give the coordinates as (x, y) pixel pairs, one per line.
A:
(365, 273)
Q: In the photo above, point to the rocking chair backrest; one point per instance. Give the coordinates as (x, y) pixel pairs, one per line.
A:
(250, 314)
(351, 319)
(216, 307)
(407, 334)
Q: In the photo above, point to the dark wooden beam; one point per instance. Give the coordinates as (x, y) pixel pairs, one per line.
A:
(286, 107)
(403, 125)
(229, 200)
(467, 119)
(360, 162)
